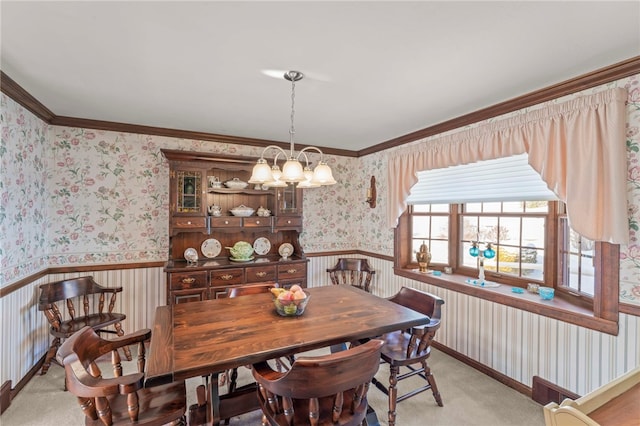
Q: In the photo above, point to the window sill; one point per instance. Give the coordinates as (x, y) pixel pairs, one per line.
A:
(561, 307)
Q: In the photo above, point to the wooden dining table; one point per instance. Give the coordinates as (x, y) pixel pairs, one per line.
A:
(203, 339)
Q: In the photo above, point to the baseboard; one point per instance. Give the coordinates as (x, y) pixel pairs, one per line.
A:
(5, 396)
(21, 384)
(496, 375)
(545, 392)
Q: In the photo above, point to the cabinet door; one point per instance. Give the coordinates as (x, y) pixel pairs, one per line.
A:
(288, 201)
(188, 191)
(186, 296)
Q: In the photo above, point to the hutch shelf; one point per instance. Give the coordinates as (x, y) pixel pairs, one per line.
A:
(197, 182)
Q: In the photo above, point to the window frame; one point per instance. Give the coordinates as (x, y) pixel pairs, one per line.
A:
(599, 312)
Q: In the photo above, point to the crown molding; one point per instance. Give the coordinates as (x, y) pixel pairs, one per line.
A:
(596, 78)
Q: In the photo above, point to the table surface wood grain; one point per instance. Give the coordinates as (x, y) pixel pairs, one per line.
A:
(201, 338)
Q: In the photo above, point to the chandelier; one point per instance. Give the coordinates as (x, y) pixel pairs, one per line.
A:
(292, 171)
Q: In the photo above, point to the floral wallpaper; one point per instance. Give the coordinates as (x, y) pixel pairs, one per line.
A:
(71, 196)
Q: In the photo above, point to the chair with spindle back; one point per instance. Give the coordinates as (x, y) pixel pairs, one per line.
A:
(121, 399)
(86, 291)
(329, 389)
(411, 348)
(355, 272)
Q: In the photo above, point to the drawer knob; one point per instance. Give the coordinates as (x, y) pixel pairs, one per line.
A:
(289, 222)
(189, 280)
(226, 277)
(257, 222)
(261, 274)
(226, 222)
(188, 222)
(291, 271)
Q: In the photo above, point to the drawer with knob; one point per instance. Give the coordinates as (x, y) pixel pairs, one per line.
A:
(226, 222)
(257, 222)
(183, 281)
(189, 222)
(288, 222)
(224, 277)
(262, 273)
(292, 270)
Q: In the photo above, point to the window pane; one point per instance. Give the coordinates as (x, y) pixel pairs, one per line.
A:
(513, 207)
(440, 208)
(421, 208)
(473, 207)
(491, 207)
(488, 231)
(470, 228)
(440, 252)
(440, 227)
(467, 259)
(532, 263)
(421, 226)
(537, 206)
(510, 231)
(533, 231)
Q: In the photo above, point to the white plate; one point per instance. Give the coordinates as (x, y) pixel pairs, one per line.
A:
(285, 250)
(262, 246)
(211, 247)
(191, 255)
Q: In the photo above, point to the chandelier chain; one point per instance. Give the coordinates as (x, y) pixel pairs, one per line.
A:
(292, 130)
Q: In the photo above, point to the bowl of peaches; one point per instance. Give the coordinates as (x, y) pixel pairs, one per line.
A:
(290, 302)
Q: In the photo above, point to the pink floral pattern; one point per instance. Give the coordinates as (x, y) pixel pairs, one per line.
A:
(73, 196)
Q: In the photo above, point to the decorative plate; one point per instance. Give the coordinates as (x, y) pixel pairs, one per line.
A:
(285, 250)
(262, 246)
(211, 247)
(241, 260)
(191, 255)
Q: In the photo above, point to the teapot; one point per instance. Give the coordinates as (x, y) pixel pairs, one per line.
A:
(214, 182)
(214, 210)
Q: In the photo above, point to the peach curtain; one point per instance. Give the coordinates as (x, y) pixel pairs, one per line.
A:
(578, 147)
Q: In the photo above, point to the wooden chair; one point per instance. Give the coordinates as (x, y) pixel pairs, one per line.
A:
(355, 272)
(330, 389)
(121, 399)
(406, 348)
(86, 291)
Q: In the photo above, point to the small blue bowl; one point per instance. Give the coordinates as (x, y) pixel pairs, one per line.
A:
(517, 290)
(546, 293)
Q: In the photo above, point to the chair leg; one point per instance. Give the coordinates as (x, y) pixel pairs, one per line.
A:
(432, 383)
(51, 353)
(120, 333)
(393, 393)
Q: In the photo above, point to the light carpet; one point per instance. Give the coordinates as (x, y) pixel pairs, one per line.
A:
(470, 398)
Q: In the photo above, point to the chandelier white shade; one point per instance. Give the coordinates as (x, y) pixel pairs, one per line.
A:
(292, 171)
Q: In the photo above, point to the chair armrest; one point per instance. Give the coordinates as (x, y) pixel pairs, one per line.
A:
(263, 372)
(129, 339)
(88, 386)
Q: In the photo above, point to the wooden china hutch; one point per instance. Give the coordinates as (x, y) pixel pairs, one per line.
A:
(197, 182)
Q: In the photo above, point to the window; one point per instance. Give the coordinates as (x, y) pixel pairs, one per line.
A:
(531, 237)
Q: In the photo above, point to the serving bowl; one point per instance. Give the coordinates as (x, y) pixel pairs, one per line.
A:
(236, 183)
(546, 293)
(292, 307)
(241, 250)
(242, 210)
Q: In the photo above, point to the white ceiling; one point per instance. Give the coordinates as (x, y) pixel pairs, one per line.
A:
(374, 70)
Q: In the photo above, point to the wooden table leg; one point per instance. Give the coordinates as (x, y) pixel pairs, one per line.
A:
(213, 400)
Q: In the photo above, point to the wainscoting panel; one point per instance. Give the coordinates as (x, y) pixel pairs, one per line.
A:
(25, 330)
(513, 342)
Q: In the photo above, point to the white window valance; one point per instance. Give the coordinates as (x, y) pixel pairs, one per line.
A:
(499, 179)
(578, 147)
